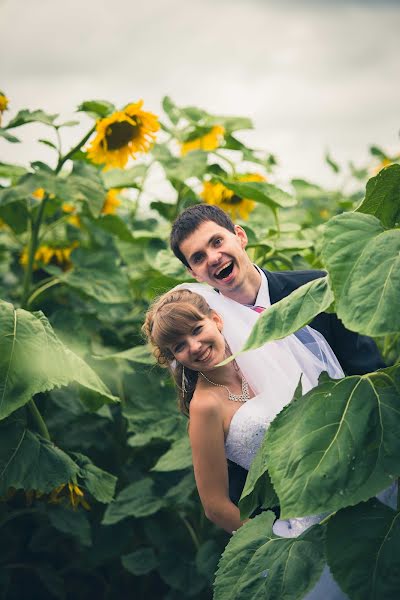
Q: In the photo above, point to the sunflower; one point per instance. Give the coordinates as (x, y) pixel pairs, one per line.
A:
(46, 254)
(3, 104)
(71, 493)
(111, 202)
(208, 141)
(219, 195)
(123, 134)
(73, 219)
(38, 194)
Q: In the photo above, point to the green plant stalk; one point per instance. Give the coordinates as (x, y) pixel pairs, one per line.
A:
(42, 288)
(228, 161)
(63, 160)
(41, 425)
(398, 494)
(33, 243)
(191, 531)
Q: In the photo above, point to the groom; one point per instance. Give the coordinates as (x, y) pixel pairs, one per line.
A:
(213, 250)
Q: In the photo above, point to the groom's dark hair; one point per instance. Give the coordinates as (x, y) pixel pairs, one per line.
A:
(190, 219)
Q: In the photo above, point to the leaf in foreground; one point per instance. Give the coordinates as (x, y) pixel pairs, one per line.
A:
(33, 360)
(291, 313)
(30, 462)
(382, 197)
(363, 260)
(258, 564)
(337, 445)
(363, 551)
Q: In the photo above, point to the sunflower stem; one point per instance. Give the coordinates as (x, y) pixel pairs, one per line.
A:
(191, 531)
(42, 288)
(227, 160)
(32, 247)
(41, 425)
(62, 160)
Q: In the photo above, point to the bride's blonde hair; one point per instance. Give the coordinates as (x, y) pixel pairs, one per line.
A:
(171, 316)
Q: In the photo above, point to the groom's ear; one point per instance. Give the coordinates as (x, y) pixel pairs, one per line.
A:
(242, 235)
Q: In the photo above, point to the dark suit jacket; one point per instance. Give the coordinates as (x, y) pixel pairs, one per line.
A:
(357, 354)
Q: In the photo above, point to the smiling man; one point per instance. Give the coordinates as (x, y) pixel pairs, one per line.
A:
(213, 250)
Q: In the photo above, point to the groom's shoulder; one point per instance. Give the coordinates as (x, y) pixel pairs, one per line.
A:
(293, 278)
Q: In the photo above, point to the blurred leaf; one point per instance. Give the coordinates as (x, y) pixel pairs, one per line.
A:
(33, 360)
(138, 500)
(333, 165)
(124, 178)
(167, 428)
(258, 491)
(356, 418)
(7, 136)
(98, 482)
(207, 558)
(258, 564)
(171, 109)
(382, 198)
(372, 550)
(138, 354)
(71, 522)
(140, 562)
(260, 191)
(375, 151)
(48, 143)
(31, 116)
(178, 457)
(194, 164)
(97, 108)
(362, 259)
(30, 462)
(12, 171)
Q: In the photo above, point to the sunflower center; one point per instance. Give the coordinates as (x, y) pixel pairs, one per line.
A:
(235, 199)
(120, 134)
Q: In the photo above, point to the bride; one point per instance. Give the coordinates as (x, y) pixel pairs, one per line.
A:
(192, 329)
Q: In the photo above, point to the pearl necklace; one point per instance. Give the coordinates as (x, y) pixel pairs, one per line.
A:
(243, 397)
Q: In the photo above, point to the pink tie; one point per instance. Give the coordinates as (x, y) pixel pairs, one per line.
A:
(258, 309)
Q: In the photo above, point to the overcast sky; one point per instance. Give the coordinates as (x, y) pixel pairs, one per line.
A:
(312, 75)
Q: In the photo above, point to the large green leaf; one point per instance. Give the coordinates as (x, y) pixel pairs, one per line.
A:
(71, 522)
(33, 360)
(7, 136)
(10, 171)
(258, 491)
(363, 551)
(31, 116)
(363, 260)
(193, 164)
(138, 500)
(291, 313)
(97, 481)
(258, 564)
(109, 285)
(382, 198)
(337, 445)
(140, 562)
(260, 191)
(30, 462)
(178, 457)
(139, 354)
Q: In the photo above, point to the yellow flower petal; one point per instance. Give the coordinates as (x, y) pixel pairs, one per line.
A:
(237, 207)
(122, 135)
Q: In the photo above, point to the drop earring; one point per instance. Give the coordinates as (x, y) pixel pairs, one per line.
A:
(183, 386)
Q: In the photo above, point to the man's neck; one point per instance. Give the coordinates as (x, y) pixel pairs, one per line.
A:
(248, 291)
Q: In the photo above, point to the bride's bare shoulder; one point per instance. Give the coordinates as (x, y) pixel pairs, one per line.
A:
(206, 403)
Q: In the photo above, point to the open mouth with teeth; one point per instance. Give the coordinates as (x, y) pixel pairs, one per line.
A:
(225, 272)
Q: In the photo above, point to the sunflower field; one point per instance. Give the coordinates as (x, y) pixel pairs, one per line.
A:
(97, 494)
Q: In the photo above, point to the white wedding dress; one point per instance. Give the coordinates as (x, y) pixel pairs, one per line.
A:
(246, 432)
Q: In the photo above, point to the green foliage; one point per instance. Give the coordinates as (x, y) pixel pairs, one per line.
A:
(78, 268)
(362, 258)
(258, 564)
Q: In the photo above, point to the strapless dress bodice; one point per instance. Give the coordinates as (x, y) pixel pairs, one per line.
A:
(247, 430)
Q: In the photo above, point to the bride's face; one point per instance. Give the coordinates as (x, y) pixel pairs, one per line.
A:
(203, 346)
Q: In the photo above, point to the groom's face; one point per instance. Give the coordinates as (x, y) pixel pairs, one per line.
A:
(217, 256)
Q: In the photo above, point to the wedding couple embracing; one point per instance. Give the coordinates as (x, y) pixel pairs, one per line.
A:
(195, 326)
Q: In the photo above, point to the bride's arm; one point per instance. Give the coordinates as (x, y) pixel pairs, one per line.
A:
(210, 467)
